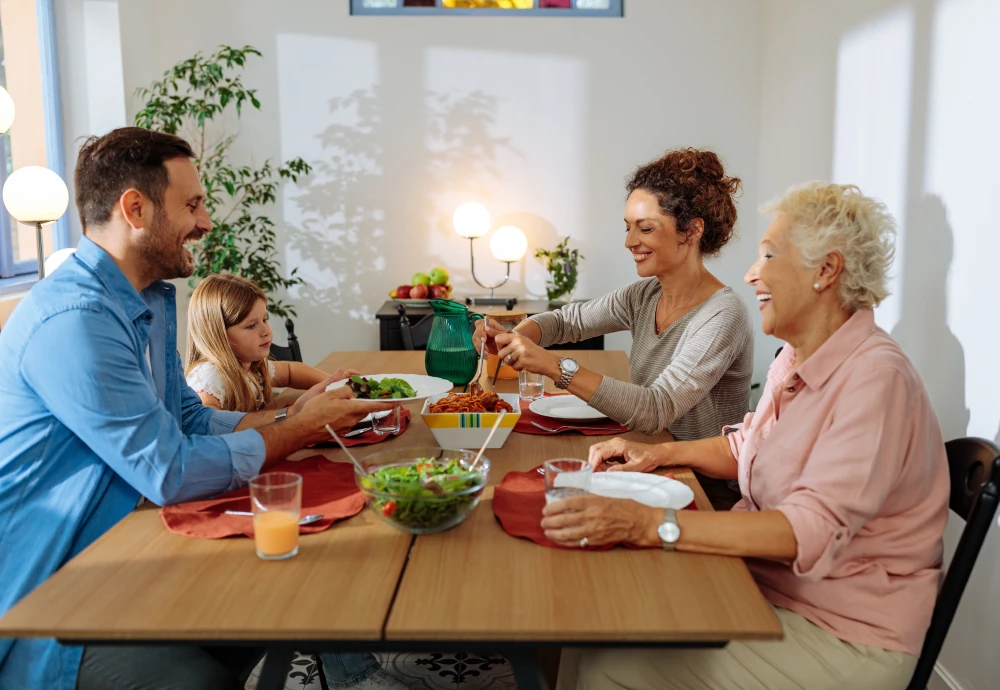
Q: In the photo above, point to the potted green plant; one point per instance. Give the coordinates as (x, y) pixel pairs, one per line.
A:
(191, 94)
(561, 263)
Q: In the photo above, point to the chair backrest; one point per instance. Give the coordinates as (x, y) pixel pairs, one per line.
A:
(974, 466)
(404, 327)
(291, 353)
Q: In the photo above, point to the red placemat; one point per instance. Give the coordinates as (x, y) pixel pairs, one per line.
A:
(328, 489)
(518, 502)
(605, 427)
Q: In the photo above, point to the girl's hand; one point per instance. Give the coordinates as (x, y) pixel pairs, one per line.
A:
(342, 374)
(638, 457)
(523, 354)
(601, 520)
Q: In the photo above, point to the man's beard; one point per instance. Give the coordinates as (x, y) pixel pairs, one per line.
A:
(161, 258)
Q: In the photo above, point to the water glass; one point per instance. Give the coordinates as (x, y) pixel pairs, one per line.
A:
(276, 498)
(388, 423)
(565, 478)
(531, 386)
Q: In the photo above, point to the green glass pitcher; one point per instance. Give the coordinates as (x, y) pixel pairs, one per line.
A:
(451, 354)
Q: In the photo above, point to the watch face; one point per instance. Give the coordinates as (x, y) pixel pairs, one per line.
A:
(569, 365)
(669, 532)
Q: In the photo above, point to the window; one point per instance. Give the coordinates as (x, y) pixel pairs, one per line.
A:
(29, 71)
(532, 8)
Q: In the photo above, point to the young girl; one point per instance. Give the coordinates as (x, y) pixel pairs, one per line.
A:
(229, 341)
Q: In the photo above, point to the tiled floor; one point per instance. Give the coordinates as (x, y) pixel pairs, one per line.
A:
(417, 671)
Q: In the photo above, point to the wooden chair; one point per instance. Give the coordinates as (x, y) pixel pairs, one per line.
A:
(974, 466)
(291, 352)
(414, 336)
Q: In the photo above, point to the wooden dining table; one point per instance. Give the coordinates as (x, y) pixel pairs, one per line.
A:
(364, 586)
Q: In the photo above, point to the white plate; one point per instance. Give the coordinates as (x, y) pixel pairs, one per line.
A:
(566, 407)
(424, 386)
(649, 489)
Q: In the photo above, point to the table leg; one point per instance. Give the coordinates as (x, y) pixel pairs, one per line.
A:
(527, 674)
(277, 664)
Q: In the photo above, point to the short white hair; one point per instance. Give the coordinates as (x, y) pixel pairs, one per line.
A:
(839, 218)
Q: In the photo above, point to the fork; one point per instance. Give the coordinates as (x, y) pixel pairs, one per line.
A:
(477, 388)
(564, 428)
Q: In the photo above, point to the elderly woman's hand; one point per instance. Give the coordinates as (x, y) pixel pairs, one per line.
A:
(523, 354)
(637, 457)
(601, 521)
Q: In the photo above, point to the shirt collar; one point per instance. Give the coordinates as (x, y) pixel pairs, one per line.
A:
(838, 347)
(107, 271)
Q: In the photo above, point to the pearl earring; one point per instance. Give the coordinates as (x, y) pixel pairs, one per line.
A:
(816, 287)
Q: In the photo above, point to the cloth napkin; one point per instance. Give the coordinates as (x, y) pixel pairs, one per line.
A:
(518, 502)
(602, 427)
(369, 437)
(328, 489)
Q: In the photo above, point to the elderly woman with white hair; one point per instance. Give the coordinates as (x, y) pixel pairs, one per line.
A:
(842, 469)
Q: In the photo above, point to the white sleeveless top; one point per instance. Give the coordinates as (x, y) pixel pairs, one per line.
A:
(206, 378)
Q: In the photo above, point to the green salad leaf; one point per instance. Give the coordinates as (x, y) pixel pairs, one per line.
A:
(385, 389)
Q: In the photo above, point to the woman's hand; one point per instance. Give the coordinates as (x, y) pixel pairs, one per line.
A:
(638, 457)
(523, 354)
(601, 521)
(487, 329)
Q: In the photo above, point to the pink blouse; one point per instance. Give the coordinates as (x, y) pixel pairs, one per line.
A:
(848, 448)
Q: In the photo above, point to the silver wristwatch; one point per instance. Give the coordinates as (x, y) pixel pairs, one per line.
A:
(568, 367)
(669, 531)
(281, 414)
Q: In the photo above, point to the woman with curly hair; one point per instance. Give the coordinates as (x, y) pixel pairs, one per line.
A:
(692, 342)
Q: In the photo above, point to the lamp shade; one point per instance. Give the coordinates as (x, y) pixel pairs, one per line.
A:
(6, 110)
(508, 244)
(471, 220)
(33, 194)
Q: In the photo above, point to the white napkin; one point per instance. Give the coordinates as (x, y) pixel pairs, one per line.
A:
(649, 489)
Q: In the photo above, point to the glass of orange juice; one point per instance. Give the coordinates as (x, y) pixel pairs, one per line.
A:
(277, 504)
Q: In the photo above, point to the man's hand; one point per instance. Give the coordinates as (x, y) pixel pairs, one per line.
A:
(332, 408)
(344, 392)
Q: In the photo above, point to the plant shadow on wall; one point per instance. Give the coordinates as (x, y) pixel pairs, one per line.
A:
(190, 97)
(342, 226)
(923, 330)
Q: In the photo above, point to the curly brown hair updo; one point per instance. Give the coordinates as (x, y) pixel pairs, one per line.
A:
(689, 184)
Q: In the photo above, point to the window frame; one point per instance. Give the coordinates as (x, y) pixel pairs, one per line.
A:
(615, 9)
(54, 158)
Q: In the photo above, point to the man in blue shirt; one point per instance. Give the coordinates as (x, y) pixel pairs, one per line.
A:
(96, 412)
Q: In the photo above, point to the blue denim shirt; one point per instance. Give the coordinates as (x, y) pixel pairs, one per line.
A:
(87, 426)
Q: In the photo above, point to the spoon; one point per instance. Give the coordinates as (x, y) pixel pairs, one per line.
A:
(307, 520)
(357, 464)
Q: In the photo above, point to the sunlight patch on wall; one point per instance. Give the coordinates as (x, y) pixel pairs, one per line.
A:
(327, 89)
(874, 65)
(962, 151)
(508, 129)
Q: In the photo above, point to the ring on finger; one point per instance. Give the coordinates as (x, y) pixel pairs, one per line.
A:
(583, 543)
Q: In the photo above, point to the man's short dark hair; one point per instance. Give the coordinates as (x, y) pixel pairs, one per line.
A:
(124, 158)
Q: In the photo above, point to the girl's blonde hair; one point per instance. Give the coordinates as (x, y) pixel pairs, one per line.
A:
(219, 302)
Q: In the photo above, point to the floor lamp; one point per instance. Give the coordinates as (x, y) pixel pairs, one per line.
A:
(36, 196)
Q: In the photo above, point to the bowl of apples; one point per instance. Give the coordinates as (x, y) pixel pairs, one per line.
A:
(422, 288)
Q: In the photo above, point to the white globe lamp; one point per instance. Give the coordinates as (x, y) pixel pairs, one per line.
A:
(36, 196)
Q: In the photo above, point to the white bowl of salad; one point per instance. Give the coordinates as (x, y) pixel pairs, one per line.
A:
(423, 490)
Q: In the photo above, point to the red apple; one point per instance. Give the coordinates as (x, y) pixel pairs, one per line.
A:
(419, 292)
(439, 292)
(403, 292)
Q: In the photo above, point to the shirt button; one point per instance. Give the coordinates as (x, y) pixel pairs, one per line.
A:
(791, 389)
(796, 377)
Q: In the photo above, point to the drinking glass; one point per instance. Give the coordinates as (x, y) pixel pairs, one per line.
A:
(565, 478)
(385, 424)
(531, 386)
(276, 498)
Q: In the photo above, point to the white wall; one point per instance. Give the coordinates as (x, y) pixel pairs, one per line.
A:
(405, 118)
(891, 95)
